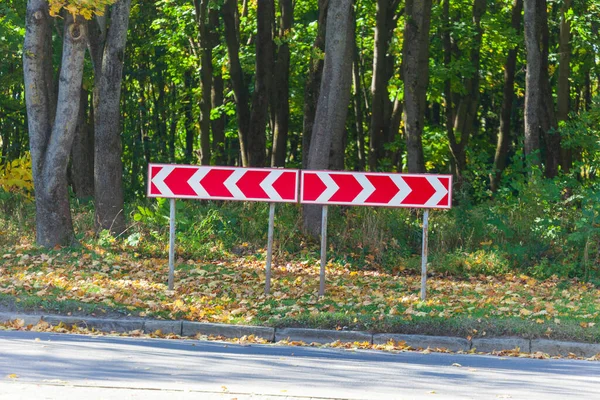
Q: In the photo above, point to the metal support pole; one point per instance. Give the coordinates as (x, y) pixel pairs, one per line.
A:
(270, 247)
(323, 250)
(424, 254)
(172, 244)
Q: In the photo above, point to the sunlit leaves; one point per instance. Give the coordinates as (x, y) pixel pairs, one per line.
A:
(85, 8)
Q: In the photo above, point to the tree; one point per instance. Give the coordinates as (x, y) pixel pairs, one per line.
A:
(416, 76)
(334, 96)
(52, 117)
(107, 48)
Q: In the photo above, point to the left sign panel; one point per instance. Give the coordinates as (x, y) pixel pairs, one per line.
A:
(223, 183)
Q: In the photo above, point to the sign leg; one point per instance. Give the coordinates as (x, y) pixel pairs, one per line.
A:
(172, 244)
(323, 251)
(424, 254)
(270, 247)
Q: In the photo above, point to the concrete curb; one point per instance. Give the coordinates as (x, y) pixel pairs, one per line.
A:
(322, 336)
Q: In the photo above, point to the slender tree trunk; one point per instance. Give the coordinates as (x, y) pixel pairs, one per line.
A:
(190, 133)
(564, 72)
(504, 137)
(217, 124)
(205, 77)
(108, 183)
(264, 73)
(51, 133)
(82, 153)
(466, 111)
(313, 83)
(416, 77)
(282, 82)
(334, 96)
(384, 29)
(240, 91)
(533, 94)
(358, 113)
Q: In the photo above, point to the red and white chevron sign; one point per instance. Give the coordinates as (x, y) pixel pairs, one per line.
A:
(376, 189)
(222, 183)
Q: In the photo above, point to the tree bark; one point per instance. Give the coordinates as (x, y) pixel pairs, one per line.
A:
(334, 96)
(264, 73)
(504, 137)
(205, 78)
(564, 72)
(533, 95)
(190, 132)
(240, 91)
(313, 82)
(108, 183)
(384, 29)
(82, 153)
(51, 133)
(358, 113)
(217, 124)
(466, 111)
(282, 81)
(416, 76)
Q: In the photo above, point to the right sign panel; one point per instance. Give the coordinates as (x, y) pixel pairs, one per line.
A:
(376, 189)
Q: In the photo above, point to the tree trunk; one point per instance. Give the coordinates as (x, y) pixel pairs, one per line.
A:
(108, 184)
(282, 81)
(205, 77)
(358, 113)
(384, 29)
(416, 77)
(190, 132)
(466, 111)
(51, 133)
(533, 94)
(313, 83)
(504, 138)
(564, 72)
(240, 91)
(82, 153)
(334, 96)
(217, 124)
(264, 73)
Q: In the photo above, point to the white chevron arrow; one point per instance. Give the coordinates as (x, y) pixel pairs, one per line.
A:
(267, 185)
(231, 183)
(195, 184)
(404, 190)
(159, 180)
(440, 192)
(368, 189)
(332, 187)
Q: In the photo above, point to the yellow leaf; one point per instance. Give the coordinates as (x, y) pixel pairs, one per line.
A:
(12, 376)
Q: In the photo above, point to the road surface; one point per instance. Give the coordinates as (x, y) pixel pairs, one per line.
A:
(42, 365)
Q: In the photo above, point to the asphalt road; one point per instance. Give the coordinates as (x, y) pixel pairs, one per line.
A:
(40, 365)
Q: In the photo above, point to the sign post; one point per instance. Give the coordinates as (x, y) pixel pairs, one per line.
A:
(376, 189)
(272, 185)
(171, 243)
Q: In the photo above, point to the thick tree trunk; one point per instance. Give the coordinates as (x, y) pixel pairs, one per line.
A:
(504, 137)
(205, 77)
(282, 91)
(533, 94)
(416, 77)
(108, 183)
(82, 153)
(240, 91)
(334, 96)
(52, 132)
(313, 83)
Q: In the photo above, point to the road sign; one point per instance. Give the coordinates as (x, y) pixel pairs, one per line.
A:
(376, 189)
(223, 183)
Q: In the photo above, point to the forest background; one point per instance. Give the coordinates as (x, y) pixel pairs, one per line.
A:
(419, 86)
